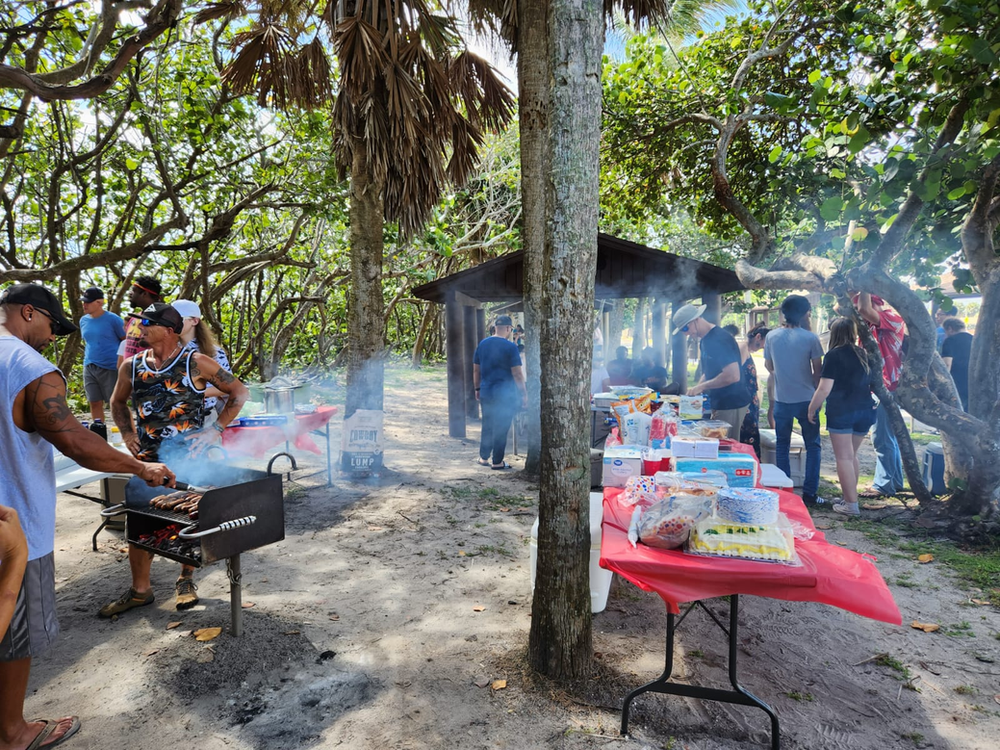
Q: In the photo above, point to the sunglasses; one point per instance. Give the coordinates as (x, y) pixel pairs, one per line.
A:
(53, 325)
(147, 323)
(684, 329)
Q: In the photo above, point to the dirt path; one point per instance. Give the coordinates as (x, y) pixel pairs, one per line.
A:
(383, 618)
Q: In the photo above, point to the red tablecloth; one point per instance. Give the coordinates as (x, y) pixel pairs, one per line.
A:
(828, 574)
(256, 441)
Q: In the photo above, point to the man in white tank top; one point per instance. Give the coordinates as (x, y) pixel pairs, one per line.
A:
(35, 417)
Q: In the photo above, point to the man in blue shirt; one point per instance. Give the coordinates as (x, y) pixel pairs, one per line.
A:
(102, 331)
(499, 379)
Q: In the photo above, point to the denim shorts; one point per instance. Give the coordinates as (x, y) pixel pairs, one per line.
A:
(850, 423)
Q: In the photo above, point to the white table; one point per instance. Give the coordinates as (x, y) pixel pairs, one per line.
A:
(70, 476)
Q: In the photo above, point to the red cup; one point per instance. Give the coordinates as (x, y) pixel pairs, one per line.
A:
(649, 468)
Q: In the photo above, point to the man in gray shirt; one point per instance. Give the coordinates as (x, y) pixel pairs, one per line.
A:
(794, 357)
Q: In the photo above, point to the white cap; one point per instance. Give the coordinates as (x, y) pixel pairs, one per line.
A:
(187, 308)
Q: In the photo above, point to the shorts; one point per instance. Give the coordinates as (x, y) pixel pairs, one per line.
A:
(34, 627)
(852, 423)
(99, 382)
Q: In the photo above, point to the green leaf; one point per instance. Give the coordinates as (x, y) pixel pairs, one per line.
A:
(775, 154)
(859, 140)
(831, 208)
(814, 77)
(131, 164)
(957, 193)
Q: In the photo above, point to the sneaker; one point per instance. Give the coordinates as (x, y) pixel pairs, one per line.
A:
(186, 596)
(813, 500)
(129, 600)
(847, 509)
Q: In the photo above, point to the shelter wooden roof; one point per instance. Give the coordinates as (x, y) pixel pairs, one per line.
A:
(624, 270)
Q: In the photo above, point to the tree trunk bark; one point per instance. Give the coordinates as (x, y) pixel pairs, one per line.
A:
(559, 642)
(639, 329)
(418, 345)
(365, 314)
(533, 114)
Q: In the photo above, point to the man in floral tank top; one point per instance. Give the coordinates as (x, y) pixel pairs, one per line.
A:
(166, 385)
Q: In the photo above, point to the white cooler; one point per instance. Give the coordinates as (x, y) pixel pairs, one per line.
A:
(796, 454)
(600, 579)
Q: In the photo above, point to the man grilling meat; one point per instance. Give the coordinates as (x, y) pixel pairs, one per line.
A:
(167, 386)
(35, 417)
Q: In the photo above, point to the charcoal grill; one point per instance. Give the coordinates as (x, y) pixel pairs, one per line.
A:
(244, 510)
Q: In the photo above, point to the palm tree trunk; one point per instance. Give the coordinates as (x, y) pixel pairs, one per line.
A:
(559, 642)
(533, 112)
(365, 315)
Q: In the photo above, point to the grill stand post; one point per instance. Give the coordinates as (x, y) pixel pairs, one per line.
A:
(738, 695)
(235, 594)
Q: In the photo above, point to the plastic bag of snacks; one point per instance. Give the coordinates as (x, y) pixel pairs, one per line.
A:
(639, 491)
(662, 428)
(670, 483)
(667, 523)
(710, 476)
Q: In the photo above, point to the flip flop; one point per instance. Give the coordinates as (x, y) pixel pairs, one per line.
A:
(50, 726)
(483, 462)
(871, 493)
(503, 466)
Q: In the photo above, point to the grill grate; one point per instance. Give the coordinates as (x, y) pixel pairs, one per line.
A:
(166, 515)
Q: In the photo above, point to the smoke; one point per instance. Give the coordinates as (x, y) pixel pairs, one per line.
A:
(208, 469)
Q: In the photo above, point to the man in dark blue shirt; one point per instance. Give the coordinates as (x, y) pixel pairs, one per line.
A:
(499, 379)
(956, 352)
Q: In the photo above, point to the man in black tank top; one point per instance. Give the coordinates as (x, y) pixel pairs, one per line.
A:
(167, 385)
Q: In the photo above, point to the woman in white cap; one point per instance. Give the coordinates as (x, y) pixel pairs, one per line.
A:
(196, 335)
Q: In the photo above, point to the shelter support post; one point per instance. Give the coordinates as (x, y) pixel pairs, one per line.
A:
(738, 695)
(713, 307)
(480, 324)
(606, 331)
(678, 357)
(469, 331)
(659, 332)
(456, 376)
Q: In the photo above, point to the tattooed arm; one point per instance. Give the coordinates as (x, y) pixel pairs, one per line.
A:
(42, 407)
(206, 372)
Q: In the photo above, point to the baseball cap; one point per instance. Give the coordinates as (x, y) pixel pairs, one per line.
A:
(92, 294)
(164, 315)
(504, 320)
(186, 308)
(40, 298)
(685, 315)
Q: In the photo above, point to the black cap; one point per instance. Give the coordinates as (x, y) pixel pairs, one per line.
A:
(504, 320)
(92, 294)
(164, 315)
(40, 298)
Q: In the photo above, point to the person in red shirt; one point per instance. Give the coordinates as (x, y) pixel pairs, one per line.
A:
(888, 329)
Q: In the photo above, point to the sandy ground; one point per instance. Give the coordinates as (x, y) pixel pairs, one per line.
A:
(384, 618)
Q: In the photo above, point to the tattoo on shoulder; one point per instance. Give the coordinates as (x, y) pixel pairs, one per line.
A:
(50, 410)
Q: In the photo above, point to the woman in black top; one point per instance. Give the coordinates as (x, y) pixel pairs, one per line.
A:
(750, 429)
(845, 385)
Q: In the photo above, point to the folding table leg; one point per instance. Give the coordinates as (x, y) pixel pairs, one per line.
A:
(738, 695)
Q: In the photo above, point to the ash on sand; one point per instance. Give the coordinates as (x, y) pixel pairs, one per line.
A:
(271, 680)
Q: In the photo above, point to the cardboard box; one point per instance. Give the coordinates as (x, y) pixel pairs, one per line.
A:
(694, 447)
(620, 463)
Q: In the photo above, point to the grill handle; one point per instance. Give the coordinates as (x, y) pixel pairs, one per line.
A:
(112, 510)
(276, 456)
(189, 533)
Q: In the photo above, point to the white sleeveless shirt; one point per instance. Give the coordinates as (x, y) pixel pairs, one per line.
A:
(27, 476)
